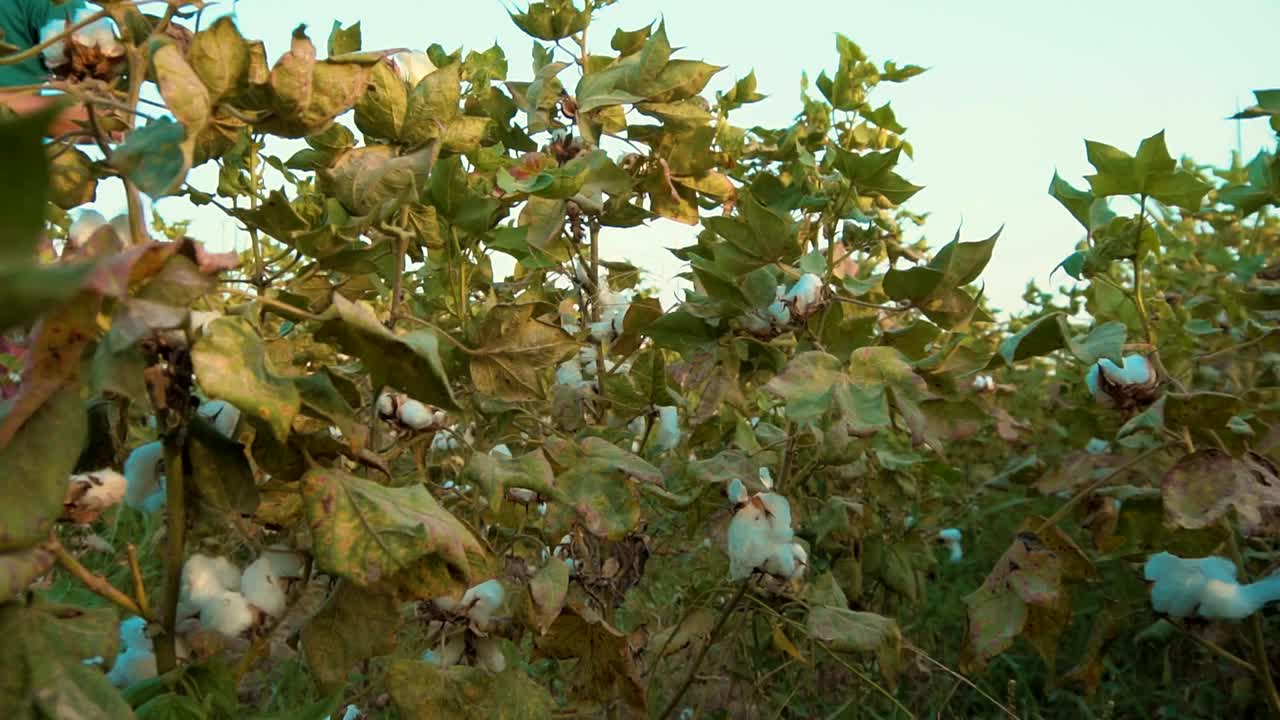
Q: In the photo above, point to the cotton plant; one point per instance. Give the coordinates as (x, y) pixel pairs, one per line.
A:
(1206, 587)
(760, 536)
(1112, 384)
(952, 538)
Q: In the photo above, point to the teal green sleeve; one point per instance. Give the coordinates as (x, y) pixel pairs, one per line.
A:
(21, 21)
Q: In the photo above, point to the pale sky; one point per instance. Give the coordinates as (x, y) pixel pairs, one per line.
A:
(1012, 90)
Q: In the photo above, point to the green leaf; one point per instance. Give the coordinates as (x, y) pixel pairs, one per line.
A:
(1077, 202)
(519, 348)
(546, 594)
(182, 88)
(809, 385)
(20, 568)
(1261, 188)
(962, 263)
(356, 624)
(38, 461)
(433, 105)
(598, 483)
(43, 653)
(1151, 173)
(72, 182)
(220, 473)
(344, 40)
(231, 364)
(554, 20)
(1043, 336)
(321, 398)
(495, 474)
(849, 631)
(872, 172)
(425, 691)
(220, 57)
(681, 331)
(153, 156)
(25, 185)
(380, 112)
(1201, 488)
(410, 363)
(914, 283)
(367, 532)
(1103, 341)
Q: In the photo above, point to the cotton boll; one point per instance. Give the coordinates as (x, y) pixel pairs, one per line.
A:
(205, 578)
(89, 494)
(489, 653)
(228, 614)
(759, 534)
(501, 451)
(983, 383)
(569, 373)
(132, 667)
(444, 440)
(412, 66)
(668, 436)
(55, 56)
(100, 34)
(1206, 587)
(142, 472)
(416, 415)
(602, 331)
(387, 405)
(222, 415)
(950, 535)
(1135, 371)
(483, 601)
(804, 294)
(85, 225)
(133, 634)
(263, 588)
(1096, 446)
(285, 562)
(779, 315)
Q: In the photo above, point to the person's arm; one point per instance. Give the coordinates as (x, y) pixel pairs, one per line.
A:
(74, 118)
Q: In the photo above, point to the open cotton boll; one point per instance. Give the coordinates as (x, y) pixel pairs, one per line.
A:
(132, 667)
(142, 473)
(483, 601)
(449, 653)
(85, 224)
(736, 491)
(133, 634)
(501, 450)
(100, 34)
(1135, 370)
(805, 293)
(801, 560)
(263, 587)
(444, 440)
(205, 578)
(412, 66)
(1206, 587)
(779, 315)
(416, 415)
(89, 494)
(55, 55)
(760, 534)
(228, 614)
(1097, 446)
(983, 383)
(386, 405)
(352, 712)
(668, 436)
(222, 415)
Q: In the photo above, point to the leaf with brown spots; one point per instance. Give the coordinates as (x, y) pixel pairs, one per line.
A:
(354, 625)
(52, 361)
(424, 691)
(517, 348)
(606, 669)
(231, 364)
(367, 532)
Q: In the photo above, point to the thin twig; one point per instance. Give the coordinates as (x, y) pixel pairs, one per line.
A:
(139, 587)
(702, 653)
(962, 679)
(98, 584)
(175, 549)
(1075, 499)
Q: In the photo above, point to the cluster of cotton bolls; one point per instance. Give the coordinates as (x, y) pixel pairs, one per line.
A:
(799, 301)
(99, 36)
(1111, 384)
(413, 414)
(224, 598)
(1206, 587)
(760, 536)
(471, 619)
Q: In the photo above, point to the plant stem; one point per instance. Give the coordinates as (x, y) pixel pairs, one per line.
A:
(596, 310)
(1215, 648)
(259, 273)
(92, 580)
(711, 640)
(175, 550)
(1137, 272)
(1259, 642)
(397, 284)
